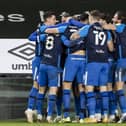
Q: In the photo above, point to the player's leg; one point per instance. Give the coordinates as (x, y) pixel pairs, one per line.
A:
(91, 104)
(113, 110)
(30, 112)
(51, 103)
(91, 80)
(104, 91)
(34, 90)
(82, 102)
(59, 99)
(76, 101)
(81, 88)
(111, 93)
(120, 79)
(68, 77)
(105, 103)
(59, 102)
(42, 80)
(53, 83)
(32, 96)
(98, 114)
(40, 102)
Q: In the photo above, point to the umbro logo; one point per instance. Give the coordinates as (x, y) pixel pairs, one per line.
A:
(24, 51)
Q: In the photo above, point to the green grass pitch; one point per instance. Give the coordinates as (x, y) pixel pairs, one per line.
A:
(24, 123)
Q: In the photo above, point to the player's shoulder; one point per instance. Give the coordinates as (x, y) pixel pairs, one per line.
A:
(120, 27)
(86, 27)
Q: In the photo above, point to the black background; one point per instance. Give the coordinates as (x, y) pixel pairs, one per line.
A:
(30, 10)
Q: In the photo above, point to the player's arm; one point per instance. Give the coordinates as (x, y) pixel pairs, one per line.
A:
(36, 37)
(33, 36)
(52, 30)
(109, 26)
(120, 28)
(59, 28)
(42, 37)
(69, 43)
(76, 23)
(81, 33)
(65, 41)
(110, 43)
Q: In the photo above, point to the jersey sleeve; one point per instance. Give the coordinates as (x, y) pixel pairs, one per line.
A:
(76, 23)
(120, 28)
(84, 31)
(62, 29)
(62, 24)
(42, 28)
(109, 36)
(69, 43)
(42, 37)
(65, 41)
(33, 36)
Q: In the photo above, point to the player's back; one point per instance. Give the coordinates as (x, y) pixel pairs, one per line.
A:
(79, 45)
(53, 49)
(97, 50)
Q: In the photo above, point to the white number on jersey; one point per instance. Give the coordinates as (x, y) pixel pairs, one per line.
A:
(49, 42)
(100, 38)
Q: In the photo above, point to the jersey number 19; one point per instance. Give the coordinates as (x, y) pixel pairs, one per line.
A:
(100, 38)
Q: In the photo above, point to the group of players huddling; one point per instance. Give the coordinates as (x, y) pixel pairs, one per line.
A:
(86, 55)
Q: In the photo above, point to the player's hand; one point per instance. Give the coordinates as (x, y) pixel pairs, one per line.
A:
(74, 36)
(109, 26)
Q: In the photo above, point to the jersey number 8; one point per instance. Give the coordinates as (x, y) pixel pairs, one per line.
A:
(49, 42)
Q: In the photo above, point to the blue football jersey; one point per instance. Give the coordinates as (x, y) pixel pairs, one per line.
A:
(80, 45)
(53, 48)
(35, 36)
(121, 41)
(96, 42)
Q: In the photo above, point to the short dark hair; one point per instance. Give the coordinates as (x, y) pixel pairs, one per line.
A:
(83, 16)
(48, 14)
(96, 14)
(106, 17)
(121, 16)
